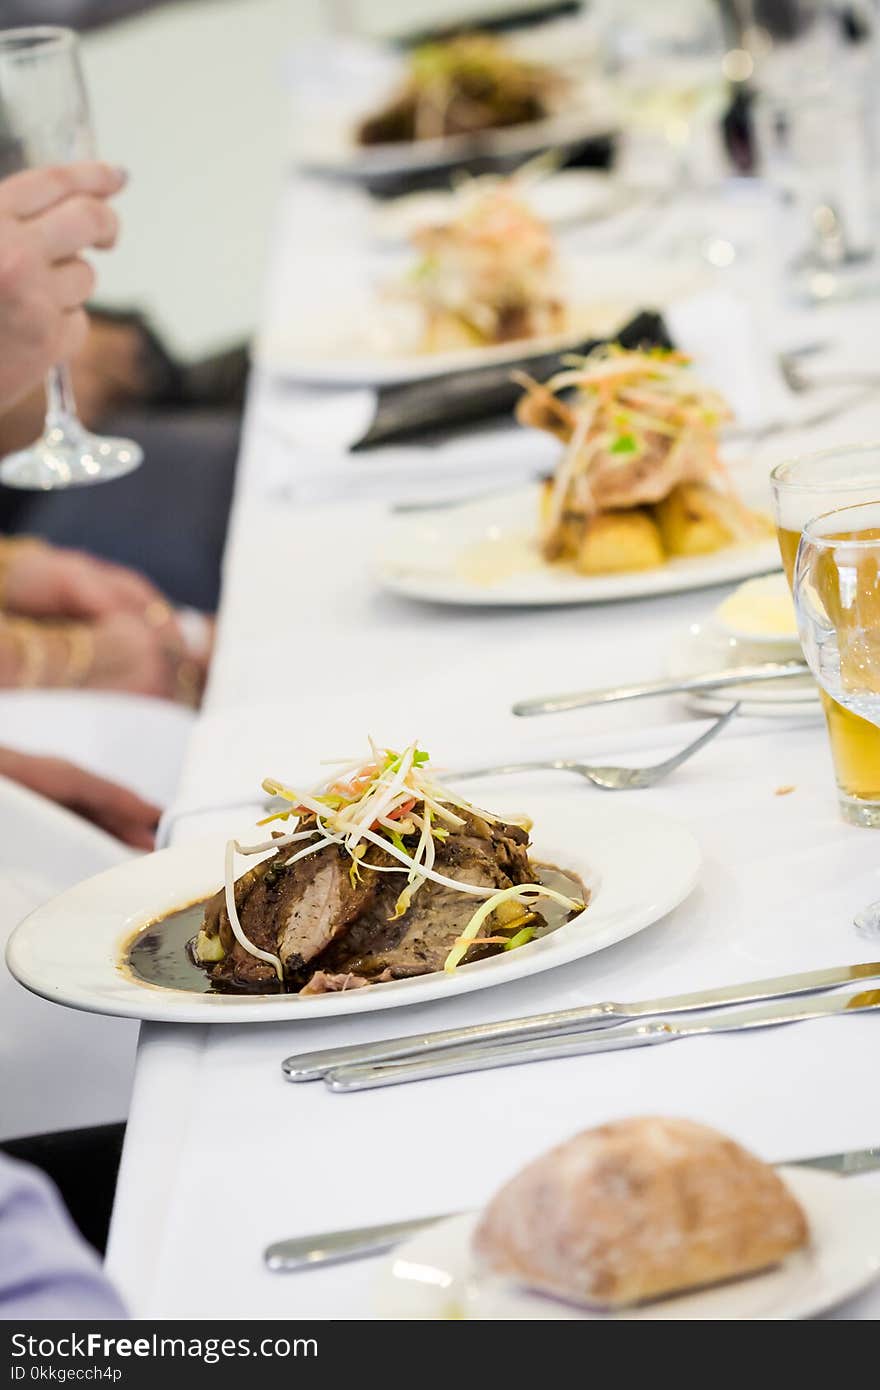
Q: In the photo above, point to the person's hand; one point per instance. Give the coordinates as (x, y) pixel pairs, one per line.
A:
(113, 808)
(48, 217)
(131, 656)
(47, 581)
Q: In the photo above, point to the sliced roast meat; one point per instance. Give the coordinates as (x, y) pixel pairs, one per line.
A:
(316, 900)
(332, 933)
(216, 921)
(485, 854)
(323, 983)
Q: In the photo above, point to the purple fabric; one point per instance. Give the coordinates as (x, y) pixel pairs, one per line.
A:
(46, 1269)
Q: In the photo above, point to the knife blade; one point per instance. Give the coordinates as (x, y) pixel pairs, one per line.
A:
(336, 1247)
(708, 680)
(847, 1164)
(312, 1066)
(456, 1061)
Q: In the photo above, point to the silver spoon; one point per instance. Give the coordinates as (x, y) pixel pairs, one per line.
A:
(612, 779)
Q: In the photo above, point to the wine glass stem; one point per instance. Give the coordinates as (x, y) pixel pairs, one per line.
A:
(62, 422)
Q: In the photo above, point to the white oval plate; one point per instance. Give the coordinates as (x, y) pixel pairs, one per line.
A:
(336, 152)
(340, 358)
(707, 647)
(421, 552)
(353, 340)
(432, 1276)
(70, 949)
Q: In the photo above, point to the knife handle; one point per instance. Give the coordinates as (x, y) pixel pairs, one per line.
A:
(312, 1066)
(367, 1078)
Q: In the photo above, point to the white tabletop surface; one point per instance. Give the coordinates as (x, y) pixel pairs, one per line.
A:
(222, 1156)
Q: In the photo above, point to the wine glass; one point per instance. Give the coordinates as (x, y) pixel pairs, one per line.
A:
(814, 122)
(44, 119)
(837, 600)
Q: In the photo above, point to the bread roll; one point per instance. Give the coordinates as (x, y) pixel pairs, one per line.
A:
(638, 1209)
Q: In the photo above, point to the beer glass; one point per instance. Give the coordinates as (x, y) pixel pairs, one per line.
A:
(836, 589)
(804, 488)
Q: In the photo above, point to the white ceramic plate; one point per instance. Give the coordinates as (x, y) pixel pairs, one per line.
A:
(342, 359)
(428, 556)
(571, 195)
(337, 329)
(707, 647)
(70, 950)
(432, 1277)
(336, 152)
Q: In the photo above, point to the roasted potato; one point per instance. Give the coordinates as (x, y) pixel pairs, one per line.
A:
(614, 542)
(690, 521)
(446, 332)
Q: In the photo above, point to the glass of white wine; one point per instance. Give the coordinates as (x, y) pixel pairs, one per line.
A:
(837, 600)
(44, 119)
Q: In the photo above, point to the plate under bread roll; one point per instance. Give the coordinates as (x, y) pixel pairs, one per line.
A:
(636, 1210)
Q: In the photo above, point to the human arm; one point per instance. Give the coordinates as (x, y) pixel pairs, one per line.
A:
(113, 808)
(46, 1268)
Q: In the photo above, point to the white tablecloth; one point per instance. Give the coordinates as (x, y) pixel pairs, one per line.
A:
(222, 1155)
(44, 850)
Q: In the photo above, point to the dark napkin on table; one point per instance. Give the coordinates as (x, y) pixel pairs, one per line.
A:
(413, 408)
(492, 22)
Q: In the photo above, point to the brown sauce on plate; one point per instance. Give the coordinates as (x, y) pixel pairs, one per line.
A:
(161, 953)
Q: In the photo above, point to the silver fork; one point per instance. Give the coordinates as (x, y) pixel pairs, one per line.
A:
(758, 433)
(801, 381)
(610, 779)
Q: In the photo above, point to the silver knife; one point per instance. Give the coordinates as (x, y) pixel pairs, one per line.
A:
(708, 680)
(335, 1247)
(312, 1066)
(454, 1061)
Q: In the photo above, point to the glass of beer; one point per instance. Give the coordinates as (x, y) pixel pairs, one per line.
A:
(837, 599)
(804, 488)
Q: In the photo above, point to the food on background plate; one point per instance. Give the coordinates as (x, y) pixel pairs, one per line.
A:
(639, 1209)
(760, 610)
(489, 275)
(462, 86)
(640, 481)
(379, 873)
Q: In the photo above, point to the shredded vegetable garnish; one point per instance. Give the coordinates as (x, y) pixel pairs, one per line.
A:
(635, 425)
(491, 270)
(232, 911)
(520, 892)
(383, 802)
